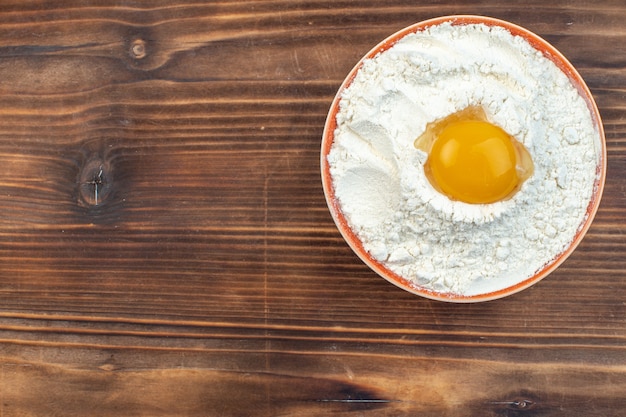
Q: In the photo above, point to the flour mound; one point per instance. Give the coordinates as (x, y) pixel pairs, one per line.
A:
(378, 174)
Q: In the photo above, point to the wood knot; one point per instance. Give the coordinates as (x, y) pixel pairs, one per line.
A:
(138, 49)
(95, 182)
(520, 404)
(144, 49)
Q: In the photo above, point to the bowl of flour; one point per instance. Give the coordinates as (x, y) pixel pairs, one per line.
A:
(417, 234)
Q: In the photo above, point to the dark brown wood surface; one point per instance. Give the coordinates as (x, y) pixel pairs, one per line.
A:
(166, 249)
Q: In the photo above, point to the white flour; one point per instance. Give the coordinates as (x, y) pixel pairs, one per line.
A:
(378, 174)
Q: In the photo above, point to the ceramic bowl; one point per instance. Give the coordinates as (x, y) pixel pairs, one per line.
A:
(487, 293)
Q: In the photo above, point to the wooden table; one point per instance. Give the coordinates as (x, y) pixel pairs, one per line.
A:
(166, 249)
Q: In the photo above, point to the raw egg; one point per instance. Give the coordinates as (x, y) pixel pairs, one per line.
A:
(473, 160)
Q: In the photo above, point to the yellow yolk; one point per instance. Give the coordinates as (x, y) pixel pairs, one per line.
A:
(472, 160)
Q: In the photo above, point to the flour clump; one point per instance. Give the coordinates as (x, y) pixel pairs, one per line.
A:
(423, 235)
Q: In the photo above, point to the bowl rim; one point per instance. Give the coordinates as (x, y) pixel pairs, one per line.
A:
(548, 51)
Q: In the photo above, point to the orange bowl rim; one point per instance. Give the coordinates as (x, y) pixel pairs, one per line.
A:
(353, 241)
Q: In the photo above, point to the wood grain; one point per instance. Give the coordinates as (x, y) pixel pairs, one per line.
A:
(207, 278)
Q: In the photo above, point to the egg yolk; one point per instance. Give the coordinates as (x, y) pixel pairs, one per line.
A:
(472, 160)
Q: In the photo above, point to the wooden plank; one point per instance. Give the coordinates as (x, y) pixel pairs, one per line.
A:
(165, 246)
